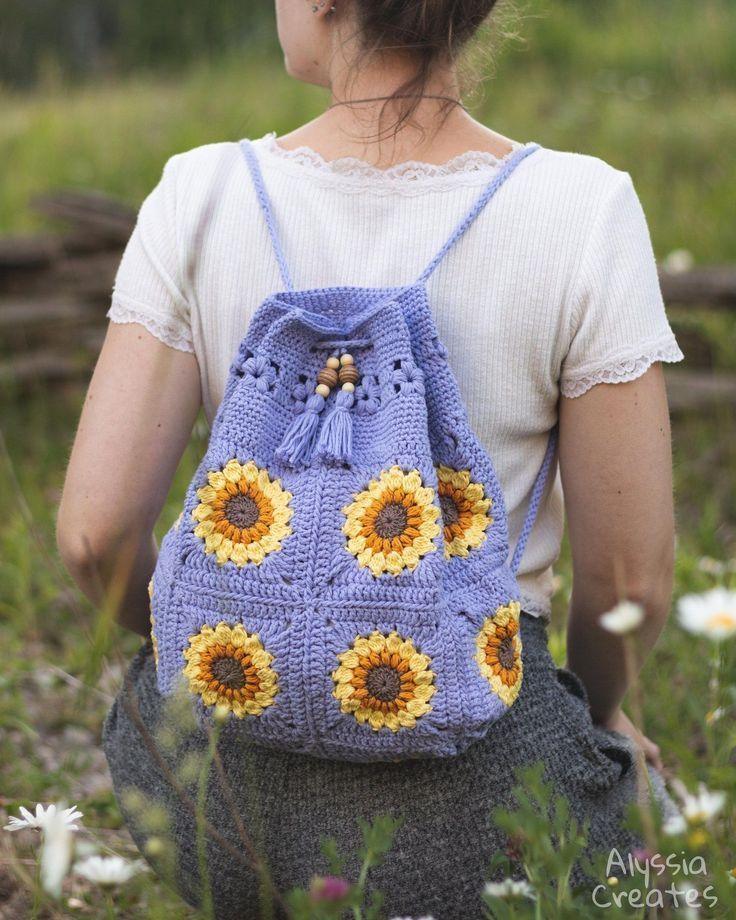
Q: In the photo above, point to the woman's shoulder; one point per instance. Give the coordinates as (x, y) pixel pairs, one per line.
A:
(583, 177)
(199, 163)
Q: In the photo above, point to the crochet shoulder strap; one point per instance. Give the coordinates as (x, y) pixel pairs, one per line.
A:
(485, 196)
(268, 213)
(462, 227)
(540, 484)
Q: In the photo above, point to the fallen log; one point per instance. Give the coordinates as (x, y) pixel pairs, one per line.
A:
(709, 286)
(687, 390)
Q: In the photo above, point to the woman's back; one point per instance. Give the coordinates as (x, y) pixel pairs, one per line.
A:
(552, 291)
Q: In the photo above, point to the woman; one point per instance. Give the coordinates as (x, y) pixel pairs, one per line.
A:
(552, 314)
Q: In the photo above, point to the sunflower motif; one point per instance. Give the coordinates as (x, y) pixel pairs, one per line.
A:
(154, 640)
(384, 681)
(465, 511)
(228, 667)
(243, 514)
(392, 524)
(499, 652)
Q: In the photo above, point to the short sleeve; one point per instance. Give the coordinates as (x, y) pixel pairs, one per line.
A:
(148, 287)
(618, 326)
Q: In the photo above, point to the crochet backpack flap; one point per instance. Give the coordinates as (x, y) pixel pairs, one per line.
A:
(339, 582)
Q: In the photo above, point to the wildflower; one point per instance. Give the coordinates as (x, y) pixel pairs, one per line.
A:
(108, 871)
(510, 889)
(697, 838)
(711, 566)
(702, 807)
(732, 876)
(711, 614)
(641, 855)
(56, 853)
(714, 715)
(687, 901)
(674, 825)
(624, 618)
(43, 816)
(612, 881)
(328, 889)
(154, 846)
(221, 714)
(679, 260)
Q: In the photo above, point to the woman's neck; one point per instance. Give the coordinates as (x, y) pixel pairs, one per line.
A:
(360, 123)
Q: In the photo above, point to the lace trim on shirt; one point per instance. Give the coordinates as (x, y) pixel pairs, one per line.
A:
(405, 178)
(620, 369)
(167, 333)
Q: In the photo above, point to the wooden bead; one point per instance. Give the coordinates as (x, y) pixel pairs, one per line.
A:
(348, 387)
(323, 390)
(328, 376)
(346, 359)
(349, 374)
(333, 362)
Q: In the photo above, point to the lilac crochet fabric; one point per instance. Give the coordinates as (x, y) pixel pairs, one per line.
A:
(270, 597)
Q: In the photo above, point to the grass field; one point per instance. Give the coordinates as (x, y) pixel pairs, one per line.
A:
(650, 86)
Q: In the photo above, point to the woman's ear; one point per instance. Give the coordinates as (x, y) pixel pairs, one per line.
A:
(324, 8)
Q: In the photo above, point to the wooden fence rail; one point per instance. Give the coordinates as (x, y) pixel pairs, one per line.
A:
(55, 288)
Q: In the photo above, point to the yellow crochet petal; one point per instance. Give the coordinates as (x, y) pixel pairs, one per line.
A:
(239, 554)
(342, 675)
(377, 719)
(216, 480)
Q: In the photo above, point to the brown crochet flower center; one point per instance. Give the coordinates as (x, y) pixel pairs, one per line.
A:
(391, 521)
(507, 653)
(242, 511)
(229, 672)
(450, 511)
(383, 683)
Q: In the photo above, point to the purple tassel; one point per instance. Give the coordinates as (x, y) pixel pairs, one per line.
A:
(336, 437)
(298, 441)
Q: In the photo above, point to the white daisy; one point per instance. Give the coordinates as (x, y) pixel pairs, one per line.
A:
(509, 888)
(109, 870)
(702, 807)
(45, 814)
(711, 614)
(624, 618)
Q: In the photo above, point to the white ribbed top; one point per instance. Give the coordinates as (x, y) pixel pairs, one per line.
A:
(553, 290)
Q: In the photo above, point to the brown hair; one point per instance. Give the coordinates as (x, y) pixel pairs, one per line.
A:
(430, 31)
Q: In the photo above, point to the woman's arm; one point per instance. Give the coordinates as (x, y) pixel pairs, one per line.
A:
(135, 424)
(616, 466)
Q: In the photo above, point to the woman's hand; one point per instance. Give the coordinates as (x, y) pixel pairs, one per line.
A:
(136, 422)
(621, 723)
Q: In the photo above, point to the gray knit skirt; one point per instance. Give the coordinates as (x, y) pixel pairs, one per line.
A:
(286, 804)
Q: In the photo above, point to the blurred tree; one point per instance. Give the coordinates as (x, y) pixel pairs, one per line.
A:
(77, 38)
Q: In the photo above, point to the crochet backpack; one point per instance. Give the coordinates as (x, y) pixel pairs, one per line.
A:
(339, 581)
